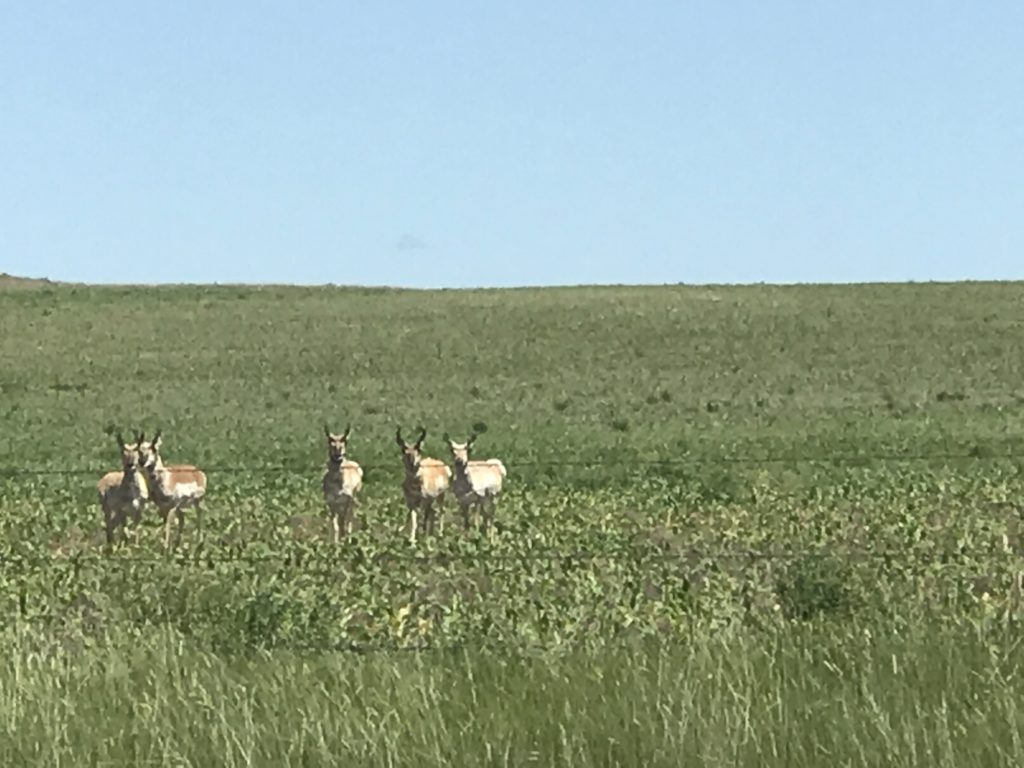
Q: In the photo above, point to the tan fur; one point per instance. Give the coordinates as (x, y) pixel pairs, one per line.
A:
(475, 483)
(341, 482)
(172, 488)
(426, 481)
(123, 493)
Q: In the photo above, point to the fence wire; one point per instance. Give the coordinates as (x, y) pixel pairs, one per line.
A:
(359, 558)
(687, 461)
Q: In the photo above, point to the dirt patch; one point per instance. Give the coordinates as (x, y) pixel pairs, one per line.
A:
(76, 540)
(310, 527)
(15, 283)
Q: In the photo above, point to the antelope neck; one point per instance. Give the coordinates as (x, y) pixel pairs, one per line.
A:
(160, 476)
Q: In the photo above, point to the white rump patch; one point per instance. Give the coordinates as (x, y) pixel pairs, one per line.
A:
(186, 489)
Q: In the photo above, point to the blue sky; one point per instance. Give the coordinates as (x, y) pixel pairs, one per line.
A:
(493, 144)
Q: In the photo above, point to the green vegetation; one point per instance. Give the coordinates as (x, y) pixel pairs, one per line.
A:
(743, 526)
(807, 697)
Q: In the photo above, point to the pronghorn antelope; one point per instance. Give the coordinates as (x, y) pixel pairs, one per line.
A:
(122, 493)
(426, 481)
(172, 488)
(342, 481)
(476, 483)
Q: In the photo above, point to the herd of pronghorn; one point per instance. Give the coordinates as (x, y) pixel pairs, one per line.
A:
(145, 479)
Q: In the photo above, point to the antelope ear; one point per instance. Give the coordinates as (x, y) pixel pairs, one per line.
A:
(139, 437)
(157, 440)
(348, 428)
(471, 439)
(422, 437)
(120, 440)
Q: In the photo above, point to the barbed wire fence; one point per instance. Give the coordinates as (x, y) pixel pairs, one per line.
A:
(976, 454)
(330, 561)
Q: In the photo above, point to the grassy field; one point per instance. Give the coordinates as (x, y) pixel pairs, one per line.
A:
(742, 526)
(806, 697)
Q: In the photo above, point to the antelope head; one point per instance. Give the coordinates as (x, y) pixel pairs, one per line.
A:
(149, 450)
(336, 444)
(412, 454)
(460, 451)
(130, 453)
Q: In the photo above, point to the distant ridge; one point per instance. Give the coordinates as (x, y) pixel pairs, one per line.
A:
(16, 282)
(13, 281)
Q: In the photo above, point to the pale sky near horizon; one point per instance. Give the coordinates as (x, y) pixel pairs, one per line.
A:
(494, 144)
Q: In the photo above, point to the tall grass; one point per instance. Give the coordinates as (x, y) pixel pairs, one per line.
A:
(932, 694)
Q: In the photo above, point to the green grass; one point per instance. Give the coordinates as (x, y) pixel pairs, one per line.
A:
(742, 526)
(246, 376)
(820, 695)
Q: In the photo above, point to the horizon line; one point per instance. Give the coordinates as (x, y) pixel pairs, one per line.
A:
(45, 281)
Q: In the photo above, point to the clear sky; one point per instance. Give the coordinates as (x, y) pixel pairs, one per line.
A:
(488, 144)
